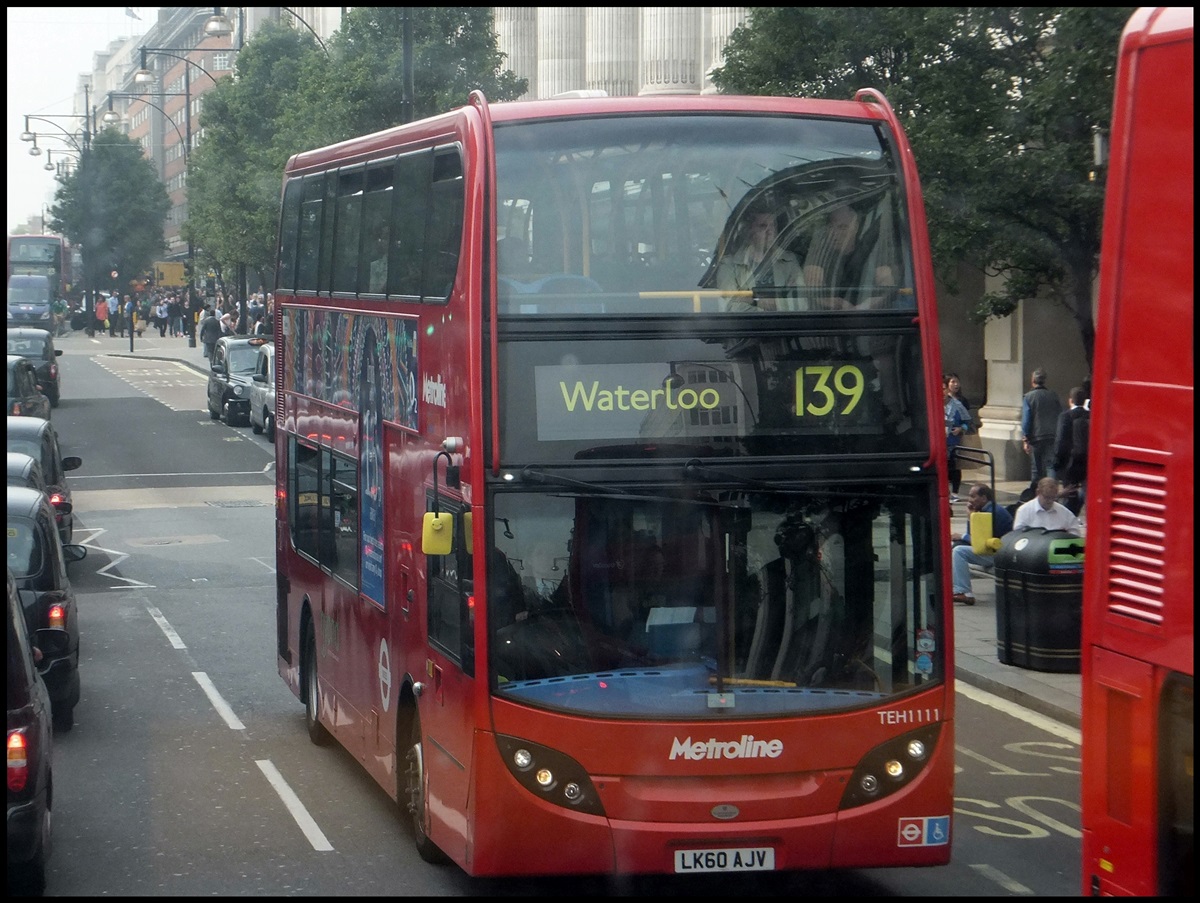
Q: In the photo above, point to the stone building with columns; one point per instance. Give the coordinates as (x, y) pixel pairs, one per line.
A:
(627, 51)
(621, 50)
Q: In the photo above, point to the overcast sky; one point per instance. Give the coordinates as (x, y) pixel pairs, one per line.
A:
(48, 48)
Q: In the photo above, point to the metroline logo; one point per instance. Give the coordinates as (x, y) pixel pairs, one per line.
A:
(745, 748)
(434, 391)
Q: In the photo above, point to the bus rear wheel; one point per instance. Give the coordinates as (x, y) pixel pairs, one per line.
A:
(312, 692)
(416, 799)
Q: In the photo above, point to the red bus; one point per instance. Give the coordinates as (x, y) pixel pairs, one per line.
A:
(611, 483)
(1138, 612)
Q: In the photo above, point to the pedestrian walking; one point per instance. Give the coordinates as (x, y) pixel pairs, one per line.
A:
(1040, 408)
(129, 317)
(101, 314)
(210, 331)
(116, 318)
(958, 425)
(175, 313)
(162, 316)
(1071, 449)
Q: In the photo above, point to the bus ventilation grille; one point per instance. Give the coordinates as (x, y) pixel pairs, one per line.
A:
(1138, 550)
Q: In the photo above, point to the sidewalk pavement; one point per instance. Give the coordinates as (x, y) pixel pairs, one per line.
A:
(1057, 696)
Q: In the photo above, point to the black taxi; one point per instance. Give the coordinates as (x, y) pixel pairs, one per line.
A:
(231, 374)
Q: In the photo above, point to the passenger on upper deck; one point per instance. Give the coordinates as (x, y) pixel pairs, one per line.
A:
(857, 269)
(753, 264)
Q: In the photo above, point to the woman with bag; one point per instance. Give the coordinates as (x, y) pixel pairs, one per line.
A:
(958, 425)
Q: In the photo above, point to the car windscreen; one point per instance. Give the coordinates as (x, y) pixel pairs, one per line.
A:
(24, 553)
(24, 447)
(27, 346)
(242, 358)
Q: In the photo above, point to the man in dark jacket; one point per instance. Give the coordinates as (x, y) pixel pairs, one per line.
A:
(1039, 422)
(1071, 446)
(210, 331)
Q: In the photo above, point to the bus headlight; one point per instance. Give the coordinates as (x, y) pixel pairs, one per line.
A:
(890, 766)
(549, 774)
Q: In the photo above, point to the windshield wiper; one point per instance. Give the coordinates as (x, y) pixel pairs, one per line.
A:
(695, 469)
(530, 474)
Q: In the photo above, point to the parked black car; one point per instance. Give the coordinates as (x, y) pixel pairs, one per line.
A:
(38, 561)
(230, 377)
(37, 346)
(30, 749)
(37, 438)
(25, 471)
(25, 396)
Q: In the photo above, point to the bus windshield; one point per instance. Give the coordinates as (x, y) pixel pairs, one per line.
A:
(689, 213)
(735, 603)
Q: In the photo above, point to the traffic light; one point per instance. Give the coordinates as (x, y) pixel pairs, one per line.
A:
(187, 272)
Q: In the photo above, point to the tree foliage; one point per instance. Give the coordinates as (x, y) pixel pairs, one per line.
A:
(999, 104)
(236, 171)
(454, 53)
(288, 95)
(112, 207)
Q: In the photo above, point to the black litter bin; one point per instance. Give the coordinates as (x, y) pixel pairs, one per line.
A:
(1039, 600)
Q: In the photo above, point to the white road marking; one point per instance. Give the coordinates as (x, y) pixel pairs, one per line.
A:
(117, 558)
(1058, 729)
(219, 704)
(307, 824)
(165, 626)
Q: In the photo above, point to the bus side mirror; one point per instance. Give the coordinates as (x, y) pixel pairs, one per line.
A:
(468, 537)
(982, 541)
(437, 533)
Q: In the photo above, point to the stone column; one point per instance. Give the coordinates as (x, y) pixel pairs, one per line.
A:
(612, 49)
(671, 50)
(516, 36)
(718, 26)
(560, 49)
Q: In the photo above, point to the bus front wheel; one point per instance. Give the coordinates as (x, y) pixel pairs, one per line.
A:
(312, 695)
(417, 800)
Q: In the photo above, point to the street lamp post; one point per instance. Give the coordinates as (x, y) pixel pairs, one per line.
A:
(83, 146)
(145, 76)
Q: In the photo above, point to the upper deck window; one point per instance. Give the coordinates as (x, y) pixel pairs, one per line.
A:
(693, 213)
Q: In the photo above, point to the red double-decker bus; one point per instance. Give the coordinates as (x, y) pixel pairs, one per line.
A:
(1139, 606)
(611, 483)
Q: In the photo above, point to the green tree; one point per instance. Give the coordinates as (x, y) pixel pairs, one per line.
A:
(113, 208)
(236, 172)
(999, 104)
(288, 95)
(454, 53)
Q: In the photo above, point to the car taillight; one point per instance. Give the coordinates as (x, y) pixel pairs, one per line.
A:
(54, 371)
(56, 499)
(58, 616)
(16, 409)
(18, 761)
